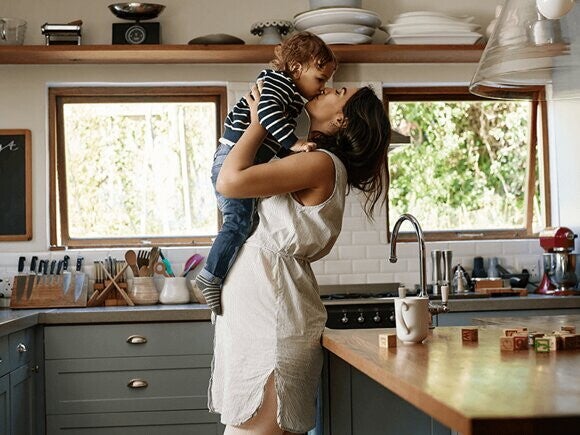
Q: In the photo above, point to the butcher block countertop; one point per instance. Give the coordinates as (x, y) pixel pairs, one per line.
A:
(473, 388)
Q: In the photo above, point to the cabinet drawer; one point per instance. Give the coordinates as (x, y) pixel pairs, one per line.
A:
(149, 423)
(128, 340)
(21, 345)
(4, 356)
(103, 385)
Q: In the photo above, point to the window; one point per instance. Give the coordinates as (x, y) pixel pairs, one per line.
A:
(475, 168)
(131, 166)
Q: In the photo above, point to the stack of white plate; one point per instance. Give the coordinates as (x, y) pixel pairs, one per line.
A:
(424, 27)
(339, 25)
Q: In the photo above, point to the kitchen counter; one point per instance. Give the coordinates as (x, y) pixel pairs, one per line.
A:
(533, 323)
(473, 388)
(13, 320)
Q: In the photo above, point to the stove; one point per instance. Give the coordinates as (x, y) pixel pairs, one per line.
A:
(360, 306)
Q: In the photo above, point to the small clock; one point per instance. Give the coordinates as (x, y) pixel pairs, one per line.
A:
(135, 34)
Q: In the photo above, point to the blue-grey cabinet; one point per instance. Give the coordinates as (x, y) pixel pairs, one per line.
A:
(18, 372)
(129, 379)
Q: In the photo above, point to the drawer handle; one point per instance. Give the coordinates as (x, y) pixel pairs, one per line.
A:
(21, 348)
(137, 383)
(137, 339)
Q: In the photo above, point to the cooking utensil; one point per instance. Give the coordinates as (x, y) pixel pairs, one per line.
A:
(153, 257)
(191, 263)
(136, 11)
(168, 267)
(131, 259)
(160, 269)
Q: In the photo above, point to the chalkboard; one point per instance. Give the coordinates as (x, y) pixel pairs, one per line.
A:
(15, 185)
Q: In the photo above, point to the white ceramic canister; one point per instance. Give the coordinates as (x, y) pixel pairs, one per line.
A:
(174, 291)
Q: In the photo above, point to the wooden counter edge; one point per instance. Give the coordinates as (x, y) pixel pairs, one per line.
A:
(415, 396)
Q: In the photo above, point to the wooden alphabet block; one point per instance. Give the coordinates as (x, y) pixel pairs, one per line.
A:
(469, 334)
(542, 345)
(555, 343)
(570, 328)
(506, 343)
(387, 340)
(510, 331)
(569, 341)
(532, 337)
(520, 342)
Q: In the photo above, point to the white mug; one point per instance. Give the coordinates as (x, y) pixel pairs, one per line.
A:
(412, 319)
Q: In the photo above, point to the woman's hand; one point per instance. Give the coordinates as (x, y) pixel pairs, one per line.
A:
(253, 98)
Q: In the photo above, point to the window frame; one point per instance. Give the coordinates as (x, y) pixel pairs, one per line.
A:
(58, 206)
(537, 149)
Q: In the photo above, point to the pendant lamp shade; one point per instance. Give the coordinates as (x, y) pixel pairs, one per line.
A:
(527, 49)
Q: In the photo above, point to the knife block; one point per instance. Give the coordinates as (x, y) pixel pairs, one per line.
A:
(49, 291)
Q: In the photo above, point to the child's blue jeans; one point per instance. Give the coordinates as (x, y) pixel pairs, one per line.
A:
(236, 227)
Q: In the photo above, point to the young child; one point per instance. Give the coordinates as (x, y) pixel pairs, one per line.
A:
(301, 67)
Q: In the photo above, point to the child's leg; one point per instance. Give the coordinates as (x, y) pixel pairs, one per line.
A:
(237, 224)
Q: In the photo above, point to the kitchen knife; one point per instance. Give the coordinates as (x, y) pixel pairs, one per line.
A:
(79, 263)
(79, 283)
(52, 267)
(31, 276)
(59, 267)
(65, 261)
(20, 280)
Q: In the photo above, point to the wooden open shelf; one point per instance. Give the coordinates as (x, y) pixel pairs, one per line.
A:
(212, 54)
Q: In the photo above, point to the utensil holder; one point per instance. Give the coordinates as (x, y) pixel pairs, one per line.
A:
(174, 291)
(143, 291)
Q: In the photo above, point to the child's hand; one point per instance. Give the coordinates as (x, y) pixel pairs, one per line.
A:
(303, 146)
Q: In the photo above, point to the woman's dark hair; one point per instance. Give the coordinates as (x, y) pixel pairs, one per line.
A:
(302, 48)
(361, 145)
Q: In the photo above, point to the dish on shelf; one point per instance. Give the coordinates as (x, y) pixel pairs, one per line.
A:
(342, 28)
(345, 38)
(434, 40)
(217, 38)
(432, 14)
(136, 11)
(321, 17)
(406, 29)
(316, 4)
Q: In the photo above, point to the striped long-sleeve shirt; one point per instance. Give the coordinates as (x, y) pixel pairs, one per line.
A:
(279, 106)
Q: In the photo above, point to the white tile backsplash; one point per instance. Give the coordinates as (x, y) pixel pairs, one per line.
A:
(360, 255)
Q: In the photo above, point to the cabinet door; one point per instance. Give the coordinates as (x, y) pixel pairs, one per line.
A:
(21, 401)
(140, 423)
(5, 405)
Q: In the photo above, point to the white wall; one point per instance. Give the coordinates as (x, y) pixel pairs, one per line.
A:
(361, 252)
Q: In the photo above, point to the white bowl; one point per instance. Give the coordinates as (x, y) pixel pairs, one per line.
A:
(320, 17)
(345, 38)
(342, 28)
(316, 4)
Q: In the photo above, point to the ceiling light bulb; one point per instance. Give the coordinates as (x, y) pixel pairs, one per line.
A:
(554, 9)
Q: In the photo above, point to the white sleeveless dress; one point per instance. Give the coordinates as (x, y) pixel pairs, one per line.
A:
(273, 317)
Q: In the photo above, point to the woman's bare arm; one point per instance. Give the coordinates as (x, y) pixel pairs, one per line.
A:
(311, 174)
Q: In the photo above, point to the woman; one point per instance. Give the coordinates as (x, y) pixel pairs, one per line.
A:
(267, 355)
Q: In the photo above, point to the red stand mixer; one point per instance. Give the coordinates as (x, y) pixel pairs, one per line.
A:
(559, 262)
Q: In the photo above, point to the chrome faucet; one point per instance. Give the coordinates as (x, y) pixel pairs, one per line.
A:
(434, 309)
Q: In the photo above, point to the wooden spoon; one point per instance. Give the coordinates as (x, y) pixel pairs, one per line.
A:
(131, 259)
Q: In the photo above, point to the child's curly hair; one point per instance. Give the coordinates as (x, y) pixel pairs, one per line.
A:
(302, 48)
